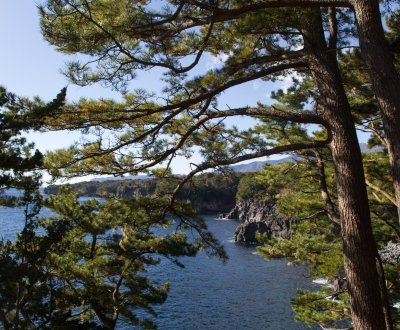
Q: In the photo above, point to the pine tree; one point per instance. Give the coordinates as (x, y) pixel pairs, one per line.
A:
(85, 266)
(259, 44)
(18, 115)
(306, 189)
(19, 166)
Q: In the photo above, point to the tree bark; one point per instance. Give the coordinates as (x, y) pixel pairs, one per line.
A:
(359, 247)
(384, 78)
(329, 206)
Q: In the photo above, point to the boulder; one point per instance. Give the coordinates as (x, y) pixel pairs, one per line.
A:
(391, 253)
(246, 232)
(259, 216)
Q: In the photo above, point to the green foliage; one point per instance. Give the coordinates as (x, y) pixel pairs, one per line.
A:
(298, 95)
(117, 188)
(144, 130)
(211, 192)
(315, 240)
(377, 169)
(10, 201)
(105, 247)
(393, 35)
(89, 261)
(357, 83)
(18, 115)
(251, 188)
(19, 273)
(322, 308)
(317, 244)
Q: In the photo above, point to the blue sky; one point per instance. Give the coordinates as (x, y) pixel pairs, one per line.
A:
(30, 67)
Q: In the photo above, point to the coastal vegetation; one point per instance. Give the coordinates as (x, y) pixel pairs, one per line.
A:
(207, 193)
(343, 66)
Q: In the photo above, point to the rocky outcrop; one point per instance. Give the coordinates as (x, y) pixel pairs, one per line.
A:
(247, 232)
(391, 253)
(253, 211)
(258, 216)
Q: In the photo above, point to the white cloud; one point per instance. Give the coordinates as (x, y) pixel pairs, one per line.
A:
(284, 82)
(214, 61)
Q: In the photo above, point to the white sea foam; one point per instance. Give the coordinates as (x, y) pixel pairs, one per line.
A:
(321, 281)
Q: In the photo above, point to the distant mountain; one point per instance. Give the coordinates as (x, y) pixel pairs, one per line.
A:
(364, 148)
(242, 168)
(122, 178)
(258, 165)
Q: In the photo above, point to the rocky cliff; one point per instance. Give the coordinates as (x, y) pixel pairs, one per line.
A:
(391, 253)
(258, 216)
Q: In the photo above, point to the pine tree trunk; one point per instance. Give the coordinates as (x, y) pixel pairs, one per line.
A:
(359, 247)
(384, 78)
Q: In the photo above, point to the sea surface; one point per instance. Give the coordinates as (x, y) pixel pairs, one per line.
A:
(247, 292)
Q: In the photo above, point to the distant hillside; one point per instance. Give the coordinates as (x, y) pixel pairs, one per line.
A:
(258, 165)
(364, 148)
(121, 178)
(208, 192)
(241, 168)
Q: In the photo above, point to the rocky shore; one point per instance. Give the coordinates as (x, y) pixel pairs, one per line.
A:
(258, 216)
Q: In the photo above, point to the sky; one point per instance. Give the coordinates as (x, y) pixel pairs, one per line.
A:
(31, 67)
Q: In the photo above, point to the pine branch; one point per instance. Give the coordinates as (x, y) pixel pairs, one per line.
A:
(381, 191)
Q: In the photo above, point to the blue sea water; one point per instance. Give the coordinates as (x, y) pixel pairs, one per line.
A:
(247, 292)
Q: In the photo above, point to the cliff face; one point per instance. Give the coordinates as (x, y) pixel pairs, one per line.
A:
(258, 216)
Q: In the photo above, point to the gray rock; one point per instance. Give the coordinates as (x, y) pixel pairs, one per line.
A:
(233, 214)
(246, 232)
(339, 284)
(391, 253)
(259, 216)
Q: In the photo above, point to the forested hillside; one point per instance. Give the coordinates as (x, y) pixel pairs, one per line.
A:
(208, 192)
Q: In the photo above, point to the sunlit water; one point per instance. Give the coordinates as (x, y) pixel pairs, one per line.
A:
(245, 293)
